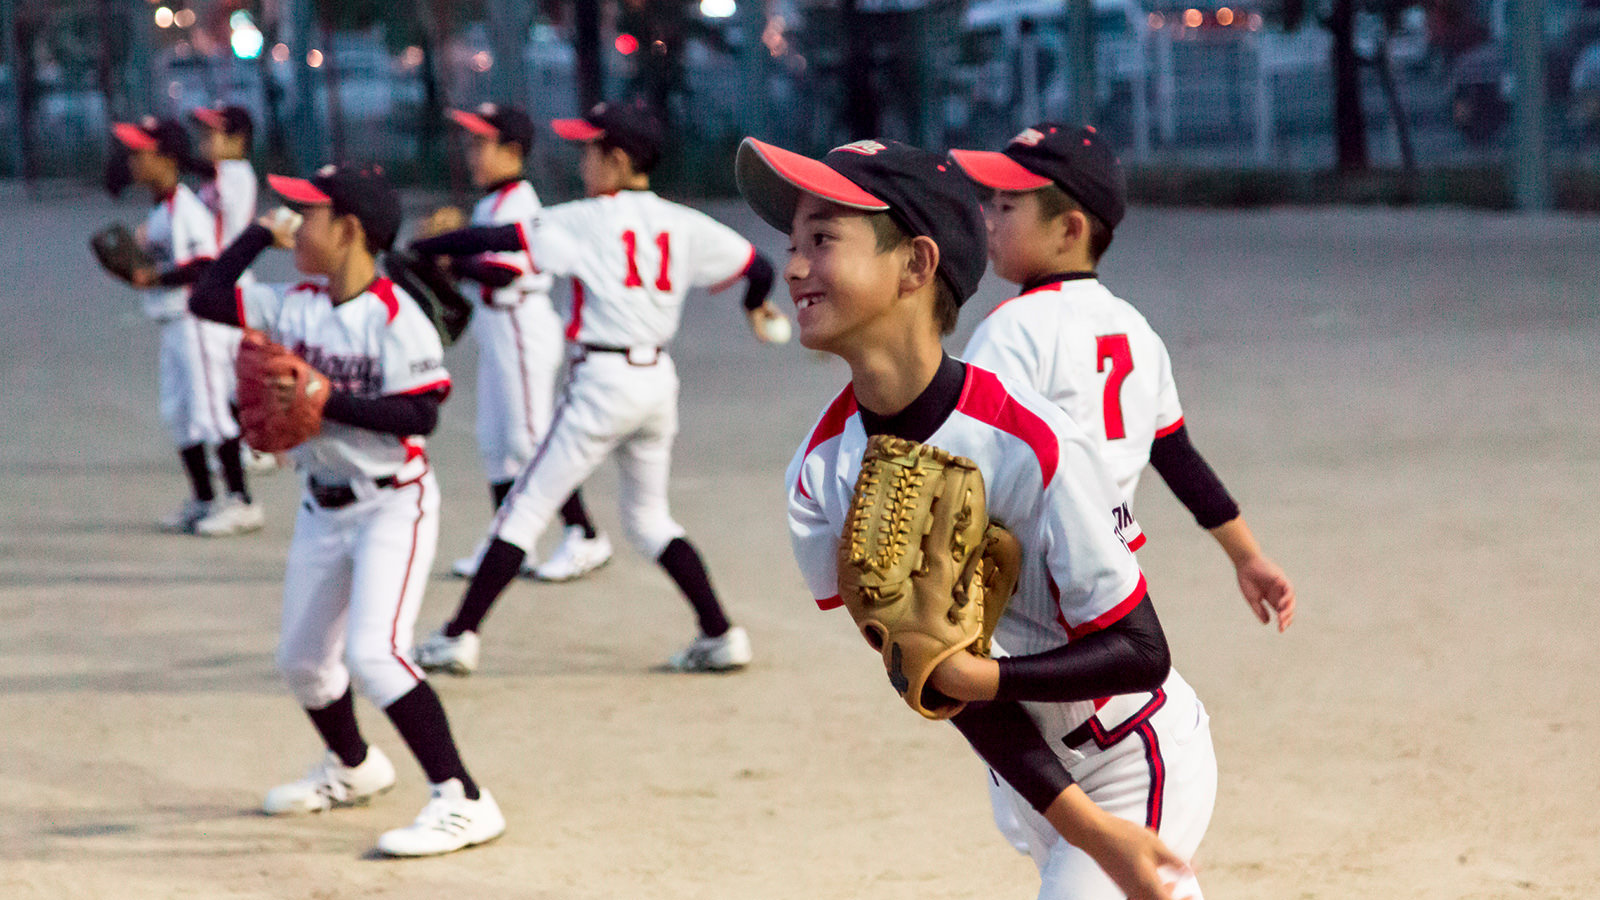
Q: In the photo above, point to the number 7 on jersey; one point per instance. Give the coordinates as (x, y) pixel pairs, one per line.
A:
(1113, 348)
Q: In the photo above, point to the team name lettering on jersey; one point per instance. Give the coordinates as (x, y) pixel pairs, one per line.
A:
(359, 375)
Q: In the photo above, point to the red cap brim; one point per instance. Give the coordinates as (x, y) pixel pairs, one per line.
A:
(772, 179)
(299, 190)
(209, 117)
(998, 171)
(576, 130)
(474, 123)
(133, 137)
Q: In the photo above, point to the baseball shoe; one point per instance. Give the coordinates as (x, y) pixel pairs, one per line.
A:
(576, 557)
(330, 784)
(467, 566)
(438, 652)
(183, 521)
(723, 653)
(231, 515)
(448, 823)
(258, 463)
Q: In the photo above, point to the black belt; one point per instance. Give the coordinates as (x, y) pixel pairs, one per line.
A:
(336, 496)
(654, 352)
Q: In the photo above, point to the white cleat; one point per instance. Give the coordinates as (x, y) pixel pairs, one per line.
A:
(448, 823)
(724, 653)
(183, 520)
(467, 566)
(231, 515)
(438, 652)
(576, 557)
(330, 784)
(258, 463)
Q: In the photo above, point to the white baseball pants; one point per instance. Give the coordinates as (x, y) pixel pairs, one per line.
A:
(610, 405)
(197, 380)
(354, 586)
(520, 352)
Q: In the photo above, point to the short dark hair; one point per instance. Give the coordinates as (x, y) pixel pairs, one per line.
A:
(643, 163)
(1053, 202)
(890, 236)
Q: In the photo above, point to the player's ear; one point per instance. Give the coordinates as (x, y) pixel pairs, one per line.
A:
(921, 265)
(1073, 228)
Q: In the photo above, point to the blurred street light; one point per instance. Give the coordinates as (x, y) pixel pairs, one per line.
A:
(626, 44)
(314, 59)
(163, 17)
(718, 9)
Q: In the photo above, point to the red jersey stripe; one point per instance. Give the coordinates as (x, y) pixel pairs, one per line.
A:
(830, 602)
(984, 398)
(1170, 428)
(1111, 616)
(575, 324)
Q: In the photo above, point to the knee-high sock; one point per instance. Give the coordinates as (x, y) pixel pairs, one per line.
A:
(228, 452)
(199, 472)
(500, 564)
(420, 719)
(336, 722)
(573, 513)
(683, 563)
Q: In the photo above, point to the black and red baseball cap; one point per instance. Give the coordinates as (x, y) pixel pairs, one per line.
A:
(360, 191)
(166, 137)
(505, 124)
(226, 119)
(632, 126)
(920, 190)
(1075, 159)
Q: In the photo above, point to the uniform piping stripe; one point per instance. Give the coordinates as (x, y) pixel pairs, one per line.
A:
(1158, 775)
(205, 372)
(1170, 428)
(527, 471)
(522, 365)
(575, 324)
(522, 235)
(405, 582)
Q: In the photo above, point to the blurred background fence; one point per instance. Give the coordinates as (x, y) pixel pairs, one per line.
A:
(1235, 100)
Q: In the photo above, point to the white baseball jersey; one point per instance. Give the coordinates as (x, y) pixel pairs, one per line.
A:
(231, 197)
(634, 257)
(516, 202)
(1092, 355)
(178, 229)
(374, 344)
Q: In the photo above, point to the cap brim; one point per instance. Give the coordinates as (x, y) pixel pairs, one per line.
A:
(133, 137)
(474, 123)
(998, 171)
(576, 130)
(299, 190)
(772, 180)
(209, 117)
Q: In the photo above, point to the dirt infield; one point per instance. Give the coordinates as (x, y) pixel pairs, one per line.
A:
(1407, 405)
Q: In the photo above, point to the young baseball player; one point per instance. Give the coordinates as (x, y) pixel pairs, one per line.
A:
(633, 257)
(367, 527)
(520, 343)
(196, 364)
(1103, 746)
(1059, 195)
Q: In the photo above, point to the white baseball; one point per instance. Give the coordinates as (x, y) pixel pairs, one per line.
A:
(284, 216)
(777, 330)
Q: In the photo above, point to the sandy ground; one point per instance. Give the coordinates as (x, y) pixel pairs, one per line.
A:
(1407, 403)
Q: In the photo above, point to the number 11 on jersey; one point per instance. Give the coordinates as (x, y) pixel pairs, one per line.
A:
(630, 243)
(1113, 348)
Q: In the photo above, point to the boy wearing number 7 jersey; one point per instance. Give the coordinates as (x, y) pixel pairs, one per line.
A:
(1058, 195)
(633, 258)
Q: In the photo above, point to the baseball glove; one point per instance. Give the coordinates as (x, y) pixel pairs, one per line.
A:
(118, 251)
(280, 395)
(433, 290)
(922, 570)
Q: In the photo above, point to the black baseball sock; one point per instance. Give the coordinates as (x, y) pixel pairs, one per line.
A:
(194, 464)
(500, 564)
(498, 491)
(336, 722)
(420, 719)
(230, 452)
(684, 565)
(574, 513)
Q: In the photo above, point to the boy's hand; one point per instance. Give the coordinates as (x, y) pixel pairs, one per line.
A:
(966, 677)
(142, 277)
(283, 222)
(1130, 854)
(1267, 589)
(769, 325)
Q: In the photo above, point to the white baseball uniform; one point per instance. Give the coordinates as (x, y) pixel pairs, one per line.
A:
(357, 571)
(633, 257)
(196, 362)
(1092, 355)
(1144, 757)
(231, 197)
(520, 345)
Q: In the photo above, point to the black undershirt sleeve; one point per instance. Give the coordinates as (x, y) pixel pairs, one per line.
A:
(1191, 479)
(485, 273)
(213, 294)
(403, 415)
(187, 273)
(472, 241)
(758, 281)
(1126, 657)
(1008, 740)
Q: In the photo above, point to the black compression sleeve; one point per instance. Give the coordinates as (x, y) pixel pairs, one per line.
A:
(1009, 741)
(758, 281)
(1191, 479)
(472, 241)
(213, 297)
(485, 273)
(398, 414)
(1128, 656)
(188, 273)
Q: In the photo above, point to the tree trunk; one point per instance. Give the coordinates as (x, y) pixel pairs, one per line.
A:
(1349, 122)
(586, 47)
(1391, 95)
(330, 62)
(861, 101)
